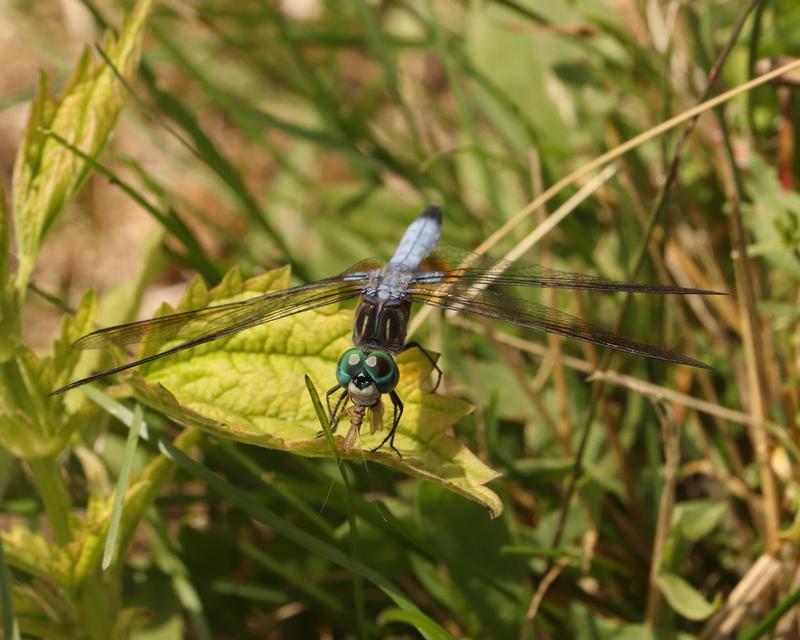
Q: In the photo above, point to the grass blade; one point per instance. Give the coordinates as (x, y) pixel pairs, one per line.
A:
(358, 585)
(285, 528)
(122, 485)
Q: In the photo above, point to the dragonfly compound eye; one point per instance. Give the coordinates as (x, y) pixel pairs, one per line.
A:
(382, 368)
(350, 365)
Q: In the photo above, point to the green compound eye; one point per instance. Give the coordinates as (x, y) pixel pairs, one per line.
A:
(350, 365)
(382, 368)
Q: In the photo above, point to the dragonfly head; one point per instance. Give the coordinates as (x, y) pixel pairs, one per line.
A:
(367, 375)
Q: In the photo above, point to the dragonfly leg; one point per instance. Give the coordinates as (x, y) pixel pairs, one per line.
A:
(333, 413)
(415, 344)
(398, 413)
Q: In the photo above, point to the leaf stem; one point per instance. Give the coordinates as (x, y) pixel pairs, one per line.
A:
(57, 505)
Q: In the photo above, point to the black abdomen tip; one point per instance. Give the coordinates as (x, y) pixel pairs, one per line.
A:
(432, 211)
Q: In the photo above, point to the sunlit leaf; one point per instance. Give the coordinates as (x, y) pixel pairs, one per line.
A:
(249, 387)
(46, 175)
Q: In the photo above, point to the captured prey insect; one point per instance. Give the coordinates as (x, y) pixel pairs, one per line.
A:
(419, 272)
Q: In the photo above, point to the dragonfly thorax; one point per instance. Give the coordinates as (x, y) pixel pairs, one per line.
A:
(381, 325)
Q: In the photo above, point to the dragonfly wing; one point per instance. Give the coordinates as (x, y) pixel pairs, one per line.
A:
(496, 306)
(192, 325)
(200, 326)
(454, 265)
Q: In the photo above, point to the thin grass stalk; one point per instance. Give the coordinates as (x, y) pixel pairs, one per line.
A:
(654, 217)
(713, 409)
(670, 435)
(687, 116)
(753, 349)
(355, 550)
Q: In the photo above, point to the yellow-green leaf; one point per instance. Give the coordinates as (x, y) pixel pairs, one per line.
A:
(5, 237)
(9, 309)
(46, 174)
(79, 559)
(28, 551)
(33, 425)
(249, 387)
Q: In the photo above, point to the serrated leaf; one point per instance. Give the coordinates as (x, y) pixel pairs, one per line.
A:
(32, 424)
(28, 552)
(65, 357)
(683, 597)
(78, 560)
(37, 615)
(47, 175)
(249, 387)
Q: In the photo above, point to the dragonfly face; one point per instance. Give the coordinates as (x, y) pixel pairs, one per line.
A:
(367, 375)
(419, 272)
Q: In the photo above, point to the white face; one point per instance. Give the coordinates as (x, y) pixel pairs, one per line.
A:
(366, 397)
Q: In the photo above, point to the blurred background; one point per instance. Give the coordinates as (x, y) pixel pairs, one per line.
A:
(311, 133)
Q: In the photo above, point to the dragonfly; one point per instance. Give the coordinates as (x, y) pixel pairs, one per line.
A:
(419, 272)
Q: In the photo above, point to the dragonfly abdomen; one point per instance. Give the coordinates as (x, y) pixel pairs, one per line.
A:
(418, 240)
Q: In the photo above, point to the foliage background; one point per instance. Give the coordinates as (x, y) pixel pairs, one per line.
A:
(310, 133)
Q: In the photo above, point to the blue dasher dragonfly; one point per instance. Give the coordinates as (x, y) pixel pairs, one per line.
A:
(419, 272)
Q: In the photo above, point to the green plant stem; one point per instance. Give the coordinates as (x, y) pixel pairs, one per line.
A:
(358, 581)
(10, 624)
(98, 609)
(772, 618)
(54, 494)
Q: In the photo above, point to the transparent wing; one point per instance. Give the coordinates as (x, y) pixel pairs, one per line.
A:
(212, 323)
(493, 305)
(444, 265)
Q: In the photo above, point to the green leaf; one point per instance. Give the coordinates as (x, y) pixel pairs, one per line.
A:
(249, 387)
(683, 597)
(122, 486)
(773, 216)
(29, 552)
(46, 175)
(79, 559)
(316, 546)
(419, 621)
(698, 518)
(10, 625)
(472, 549)
(33, 425)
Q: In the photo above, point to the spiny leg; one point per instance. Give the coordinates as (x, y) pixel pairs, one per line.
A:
(411, 345)
(341, 403)
(398, 413)
(333, 413)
